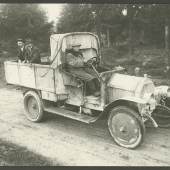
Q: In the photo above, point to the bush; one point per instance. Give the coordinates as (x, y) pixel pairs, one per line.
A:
(156, 72)
(133, 62)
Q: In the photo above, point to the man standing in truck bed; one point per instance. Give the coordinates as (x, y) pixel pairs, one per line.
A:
(32, 52)
(21, 50)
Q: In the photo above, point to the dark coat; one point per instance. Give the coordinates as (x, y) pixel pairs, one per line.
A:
(74, 59)
(75, 65)
(21, 54)
(33, 55)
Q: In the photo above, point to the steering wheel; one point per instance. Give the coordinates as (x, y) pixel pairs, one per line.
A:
(91, 61)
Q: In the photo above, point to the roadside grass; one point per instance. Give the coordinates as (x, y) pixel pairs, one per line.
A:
(14, 155)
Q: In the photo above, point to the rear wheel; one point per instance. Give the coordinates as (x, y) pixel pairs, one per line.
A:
(33, 106)
(126, 127)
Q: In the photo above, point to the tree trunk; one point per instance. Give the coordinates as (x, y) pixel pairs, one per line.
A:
(166, 37)
(167, 42)
(142, 35)
(97, 27)
(130, 38)
(108, 38)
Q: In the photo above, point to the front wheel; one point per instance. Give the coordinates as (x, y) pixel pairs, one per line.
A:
(33, 106)
(126, 127)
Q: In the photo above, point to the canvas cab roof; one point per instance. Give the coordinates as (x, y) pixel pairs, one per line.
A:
(60, 42)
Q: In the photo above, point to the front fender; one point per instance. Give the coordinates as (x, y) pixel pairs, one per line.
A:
(134, 99)
(135, 103)
(132, 102)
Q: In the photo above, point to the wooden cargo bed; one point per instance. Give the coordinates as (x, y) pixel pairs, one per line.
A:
(36, 76)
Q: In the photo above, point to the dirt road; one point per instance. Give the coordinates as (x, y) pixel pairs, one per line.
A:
(70, 142)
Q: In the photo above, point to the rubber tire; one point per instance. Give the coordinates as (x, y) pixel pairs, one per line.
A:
(40, 106)
(136, 116)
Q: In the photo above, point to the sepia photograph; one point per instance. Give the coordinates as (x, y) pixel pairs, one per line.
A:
(84, 84)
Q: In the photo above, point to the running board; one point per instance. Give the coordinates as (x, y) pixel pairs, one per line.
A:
(70, 114)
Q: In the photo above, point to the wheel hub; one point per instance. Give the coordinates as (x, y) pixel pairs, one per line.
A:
(122, 129)
(32, 107)
(125, 128)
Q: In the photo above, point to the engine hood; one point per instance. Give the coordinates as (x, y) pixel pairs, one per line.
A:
(129, 83)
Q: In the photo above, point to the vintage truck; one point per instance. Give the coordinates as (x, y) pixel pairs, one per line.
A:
(126, 101)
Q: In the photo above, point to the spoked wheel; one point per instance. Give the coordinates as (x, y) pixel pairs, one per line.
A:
(126, 127)
(33, 106)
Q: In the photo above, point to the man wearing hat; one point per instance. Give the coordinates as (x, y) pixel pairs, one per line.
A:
(74, 57)
(76, 66)
(32, 52)
(21, 50)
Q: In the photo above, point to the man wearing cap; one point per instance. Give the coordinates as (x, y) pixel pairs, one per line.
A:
(32, 52)
(21, 50)
(76, 66)
(74, 57)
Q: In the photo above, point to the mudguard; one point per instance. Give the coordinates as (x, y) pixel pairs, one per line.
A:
(137, 104)
(127, 101)
(134, 99)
